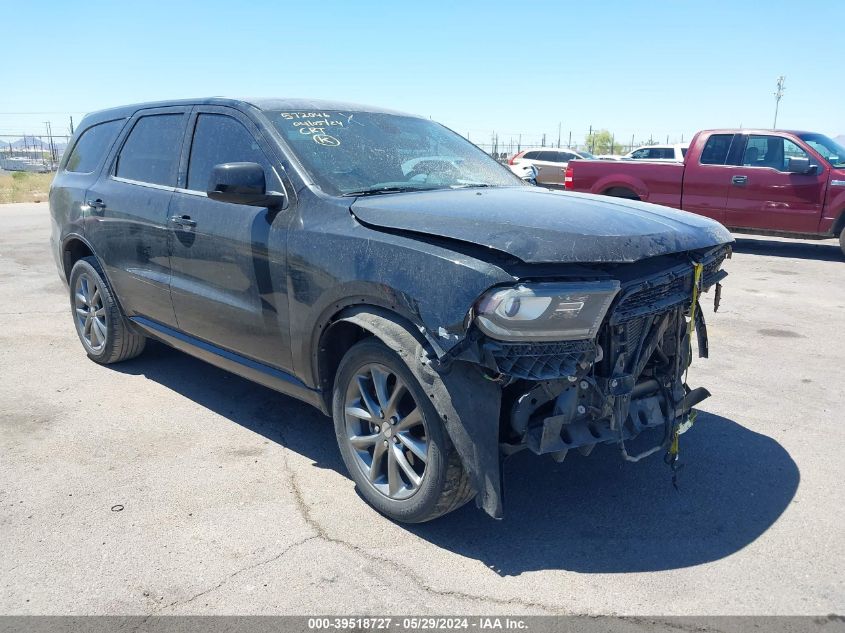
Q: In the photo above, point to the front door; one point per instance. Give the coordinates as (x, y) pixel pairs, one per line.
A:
(228, 260)
(127, 212)
(763, 195)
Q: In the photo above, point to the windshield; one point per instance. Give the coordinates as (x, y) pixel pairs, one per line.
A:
(358, 153)
(829, 149)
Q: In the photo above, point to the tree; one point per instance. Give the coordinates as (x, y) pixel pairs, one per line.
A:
(602, 142)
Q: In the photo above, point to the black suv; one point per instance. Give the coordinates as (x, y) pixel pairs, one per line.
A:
(384, 269)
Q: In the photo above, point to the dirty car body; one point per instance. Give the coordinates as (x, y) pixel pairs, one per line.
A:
(530, 319)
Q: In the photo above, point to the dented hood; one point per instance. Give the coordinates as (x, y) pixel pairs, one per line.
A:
(538, 225)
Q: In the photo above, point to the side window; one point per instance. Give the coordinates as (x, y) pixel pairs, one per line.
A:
(530, 155)
(640, 153)
(221, 139)
(716, 149)
(565, 157)
(550, 157)
(684, 152)
(89, 149)
(151, 153)
(770, 151)
(791, 150)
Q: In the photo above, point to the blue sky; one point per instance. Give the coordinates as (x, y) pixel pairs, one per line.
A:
(644, 68)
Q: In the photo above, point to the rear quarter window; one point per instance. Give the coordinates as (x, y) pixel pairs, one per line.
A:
(92, 146)
(716, 149)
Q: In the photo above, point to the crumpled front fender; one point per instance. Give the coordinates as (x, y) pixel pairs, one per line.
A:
(468, 403)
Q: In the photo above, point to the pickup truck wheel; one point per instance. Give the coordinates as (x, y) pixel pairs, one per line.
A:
(99, 321)
(842, 240)
(392, 440)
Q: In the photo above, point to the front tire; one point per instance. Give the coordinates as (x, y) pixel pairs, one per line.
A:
(842, 240)
(392, 440)
(100, 323)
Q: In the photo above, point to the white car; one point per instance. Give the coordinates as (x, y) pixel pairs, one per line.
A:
(549, 162)
(664, 153)
(526, 171)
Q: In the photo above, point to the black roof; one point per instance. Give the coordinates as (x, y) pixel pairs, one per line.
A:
(259, 103)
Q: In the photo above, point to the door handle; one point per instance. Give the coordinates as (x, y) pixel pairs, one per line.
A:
(183, 220)
(96, 206)
(740, 181)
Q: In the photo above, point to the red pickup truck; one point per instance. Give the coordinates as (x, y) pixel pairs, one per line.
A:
(763, 181)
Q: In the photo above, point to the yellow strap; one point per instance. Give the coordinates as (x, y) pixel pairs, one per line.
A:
(696, 281)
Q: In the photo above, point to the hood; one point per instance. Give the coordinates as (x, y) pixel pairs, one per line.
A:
(538, 225)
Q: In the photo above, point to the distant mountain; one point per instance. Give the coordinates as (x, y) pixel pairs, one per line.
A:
(35, 143)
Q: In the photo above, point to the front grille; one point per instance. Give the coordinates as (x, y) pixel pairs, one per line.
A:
(663, 295)
(540, 361)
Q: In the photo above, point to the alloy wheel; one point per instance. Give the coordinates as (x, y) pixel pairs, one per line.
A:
(90, 313)
(386, 431)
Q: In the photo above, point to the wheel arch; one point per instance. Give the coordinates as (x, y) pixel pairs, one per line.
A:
(338, 333)
(621, 192)
(74, 248)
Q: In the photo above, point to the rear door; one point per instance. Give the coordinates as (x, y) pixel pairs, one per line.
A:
(551, 171)
(707, 176)
(763, 195)
(228, 261)
(128, 210)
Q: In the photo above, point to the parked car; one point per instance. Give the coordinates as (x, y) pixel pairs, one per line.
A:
(674, 153)
(440, 310)
(550, 163)
(778, 182)
(526, 171)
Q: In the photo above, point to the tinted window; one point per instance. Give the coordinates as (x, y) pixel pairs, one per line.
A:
(565, 157)
(531, 155)
(220, 139)
(684, 151)
(151, 153)
(640, 153)
(716, 149)
(547, 156)
(89, 149)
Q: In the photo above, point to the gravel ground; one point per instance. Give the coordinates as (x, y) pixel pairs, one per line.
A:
(164, 485)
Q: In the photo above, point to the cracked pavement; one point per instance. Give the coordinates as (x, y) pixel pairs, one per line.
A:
(235, 500)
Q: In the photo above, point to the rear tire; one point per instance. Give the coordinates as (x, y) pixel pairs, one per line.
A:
(100, 323)
(842, 240)
(385, 425)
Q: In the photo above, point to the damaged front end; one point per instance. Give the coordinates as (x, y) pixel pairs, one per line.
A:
(610, 362)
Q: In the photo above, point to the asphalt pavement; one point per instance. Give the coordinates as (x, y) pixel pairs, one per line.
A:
(166, 486)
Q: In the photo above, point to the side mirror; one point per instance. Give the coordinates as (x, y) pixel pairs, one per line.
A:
(799, 165)
(242, 183)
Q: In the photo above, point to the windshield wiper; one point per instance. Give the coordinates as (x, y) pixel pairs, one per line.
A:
(380, 190)
(470, 185)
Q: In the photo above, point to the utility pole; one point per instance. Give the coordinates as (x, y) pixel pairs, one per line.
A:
(778, 96)
(50, 141)
(519, 144)
(592, 140)
(558, 135)
(543, 142)
(570, 140)
(71, 125)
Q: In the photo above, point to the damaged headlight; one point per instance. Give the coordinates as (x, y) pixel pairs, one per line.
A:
(546, 311)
